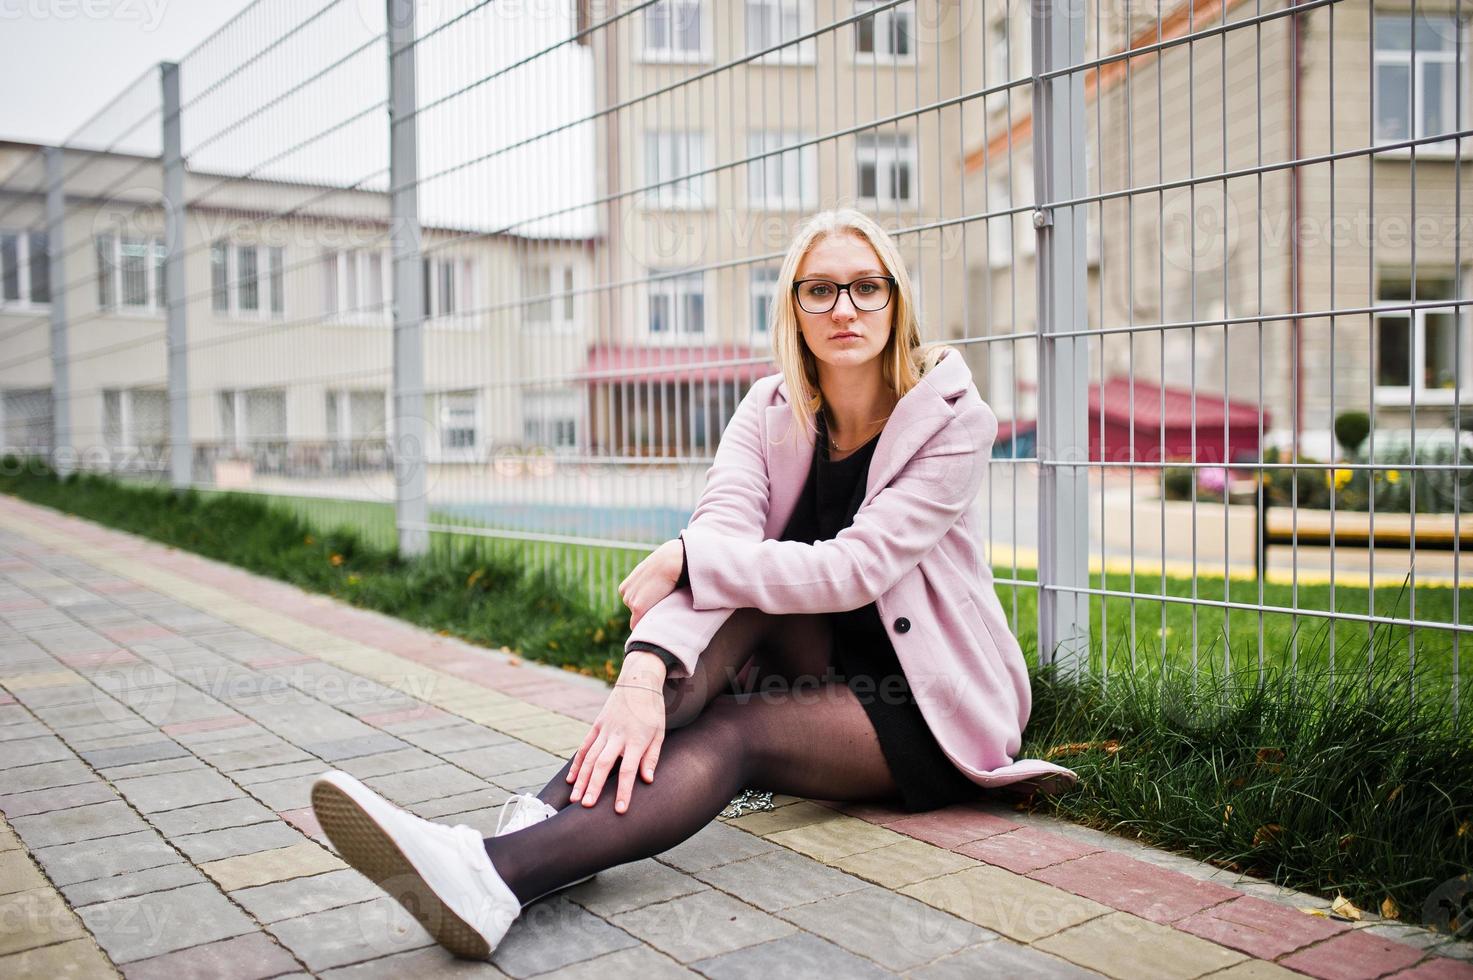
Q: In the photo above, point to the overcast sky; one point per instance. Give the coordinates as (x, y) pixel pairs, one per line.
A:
(311, 106)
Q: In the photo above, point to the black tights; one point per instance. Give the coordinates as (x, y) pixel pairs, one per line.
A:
(793, 731)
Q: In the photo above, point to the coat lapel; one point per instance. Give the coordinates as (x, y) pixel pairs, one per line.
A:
(919, 414)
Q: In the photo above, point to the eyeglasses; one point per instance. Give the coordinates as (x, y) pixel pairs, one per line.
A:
(821, 295)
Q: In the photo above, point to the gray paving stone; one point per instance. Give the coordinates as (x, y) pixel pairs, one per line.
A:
(183, 763)
(211, 816)
(702, 925)
(251, 956)
(553, 933)
(429, 963)
(232, 841)
(160, 922)
(78, 824)
(70, 863)
(334, 750)
(425, 784)
(498, 760)
(799, 957)
(713, 845)
(1003, 958)
(895, 931)
(147, 752)
(62, 798)
(30, 751)
(161, 878)
(284, 794)
(455, 737)
(308, 766)
(385, 763)
(780, 879)
(528, 780)
(102, 735)
(631, 886)
(271, 752)
(303, 896)
(171, 791)
(23, 731)
(37, 698)
(47, 775)
(351, 934)
(491, 796)
(637, 961)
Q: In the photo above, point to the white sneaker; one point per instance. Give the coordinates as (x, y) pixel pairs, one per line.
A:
(441, 875)
(522, 810)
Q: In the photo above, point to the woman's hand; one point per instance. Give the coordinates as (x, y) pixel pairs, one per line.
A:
(652, 579)
(631, 728)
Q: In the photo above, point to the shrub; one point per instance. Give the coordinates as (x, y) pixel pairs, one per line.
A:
(1351, 430)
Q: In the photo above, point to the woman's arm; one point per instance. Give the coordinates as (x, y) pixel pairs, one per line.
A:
(736, 496)
(889, 535)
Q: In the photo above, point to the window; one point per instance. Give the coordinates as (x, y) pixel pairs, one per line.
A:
(247, 280)
(130, 273)
(1417, 349)
(783, 181)
(677, 306)
(547, 290)
(25, 418)
(355, 285)
(672, 31)
(669, 154)
(134, 418)
(886, 168)
(253, 418)
(886, 35)
(999, 226)
(456, 426)
(773, 22)
(25, 268)
(357, 416)
(448, 283)
(760, 285)
(550, 419)
(1416, 91)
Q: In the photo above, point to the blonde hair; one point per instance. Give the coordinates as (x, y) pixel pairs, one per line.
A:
(903, 361)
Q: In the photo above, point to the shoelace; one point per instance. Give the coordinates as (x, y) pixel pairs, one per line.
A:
(516, 812)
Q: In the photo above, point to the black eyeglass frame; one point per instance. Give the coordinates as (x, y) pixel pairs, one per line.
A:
(843, 287)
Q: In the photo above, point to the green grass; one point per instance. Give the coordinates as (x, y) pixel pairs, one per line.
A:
(1330, 783)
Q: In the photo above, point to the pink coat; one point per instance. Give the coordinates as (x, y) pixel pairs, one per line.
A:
(914, 549)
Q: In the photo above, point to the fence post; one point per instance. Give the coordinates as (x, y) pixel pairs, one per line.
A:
(1063, 436)
(181, 451)
(411, 509)
(63, 459)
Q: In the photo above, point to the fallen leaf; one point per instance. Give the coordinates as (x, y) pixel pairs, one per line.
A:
(1319, 912)
(1266, 833)
(1227, 811)
(1268, 757)
(1464, 829)
(1389, 908)
(514, 662)
(1345, 840)
(1344, 908)
(1394, 793)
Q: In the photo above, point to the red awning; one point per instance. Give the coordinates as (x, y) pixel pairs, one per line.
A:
(610, 365)
(1213, 410)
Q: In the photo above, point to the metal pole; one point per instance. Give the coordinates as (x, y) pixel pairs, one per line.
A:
(181, 452)
(1063, 438)
(411, 507)
(62, 455)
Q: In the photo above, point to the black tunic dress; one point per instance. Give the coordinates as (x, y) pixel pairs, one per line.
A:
(862, 654)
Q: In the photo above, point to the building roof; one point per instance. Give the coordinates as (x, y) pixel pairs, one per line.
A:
(1153, 402)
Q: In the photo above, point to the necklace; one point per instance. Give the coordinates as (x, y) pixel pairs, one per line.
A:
(856, 445)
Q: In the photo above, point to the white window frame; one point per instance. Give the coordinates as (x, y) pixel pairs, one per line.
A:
(559, 296)
(340, 420)
(1417, 358)
(775, 12)
(356, 309)
(266, 287)
(237, 438)
(553, 408)
(23, 299)
(882, 150)
(439, 426)
(675, 290)
(1416, 66)
(884, 22)
(128, 435)
(801, 164)
(465, 288)
(669, 54)
(663, 150)
(41, 396)
(156, 302)
(761, 283)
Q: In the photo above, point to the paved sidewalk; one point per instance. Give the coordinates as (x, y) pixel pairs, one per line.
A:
(162, 717)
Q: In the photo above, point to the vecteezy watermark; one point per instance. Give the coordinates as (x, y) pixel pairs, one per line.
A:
(148, 13)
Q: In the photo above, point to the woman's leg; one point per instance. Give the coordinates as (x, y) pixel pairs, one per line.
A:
(779, 643)
(813, 740)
